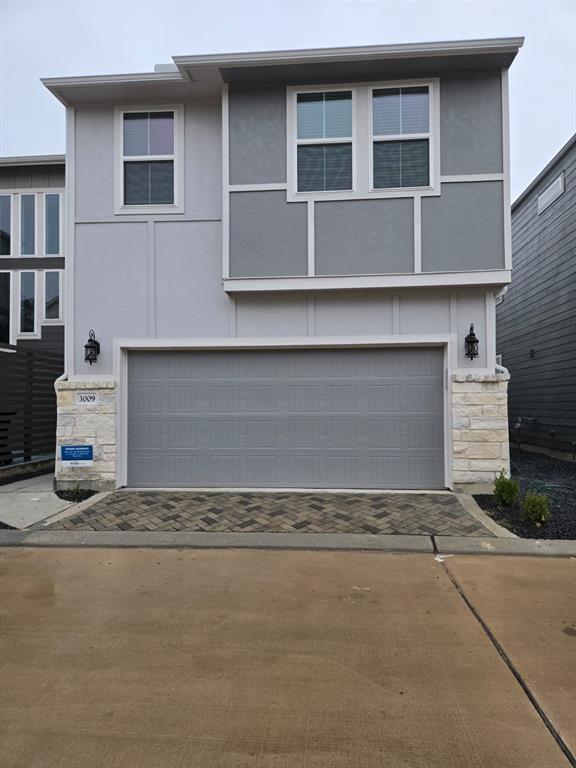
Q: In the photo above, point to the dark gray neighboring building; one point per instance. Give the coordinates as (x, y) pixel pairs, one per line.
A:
(31, 309)
(536, 320)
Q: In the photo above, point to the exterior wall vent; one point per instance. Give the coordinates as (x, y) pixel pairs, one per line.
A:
(551, 193)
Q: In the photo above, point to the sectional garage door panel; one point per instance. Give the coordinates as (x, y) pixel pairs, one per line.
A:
(357, 418)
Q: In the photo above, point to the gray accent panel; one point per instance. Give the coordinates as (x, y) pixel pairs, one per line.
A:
(268, 236)
(463, 229)
(32, 262)
(257, 115)
(279, 418)
(471, 124)
(32, 176)
(362, 237)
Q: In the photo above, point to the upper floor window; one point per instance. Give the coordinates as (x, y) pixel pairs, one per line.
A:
(324, 141)
(149, 150)
(363, 140)
(5, 225)
(52, 224)
(30, 223)
(400, 137)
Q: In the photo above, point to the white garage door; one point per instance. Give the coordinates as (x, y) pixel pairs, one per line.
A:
(315, 418)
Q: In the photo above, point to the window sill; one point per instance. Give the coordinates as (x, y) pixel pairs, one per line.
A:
(148, 209)
(359, 282)
(373, 194)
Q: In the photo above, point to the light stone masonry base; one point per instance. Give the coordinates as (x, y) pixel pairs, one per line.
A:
(87, 424)
(479, 429)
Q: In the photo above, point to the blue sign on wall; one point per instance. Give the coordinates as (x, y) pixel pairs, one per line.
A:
(77, 455)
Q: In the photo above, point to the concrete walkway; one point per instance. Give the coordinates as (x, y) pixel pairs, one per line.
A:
(254, 659)
(26, 502)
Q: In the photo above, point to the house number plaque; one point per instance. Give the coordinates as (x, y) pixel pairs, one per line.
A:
(87, 398)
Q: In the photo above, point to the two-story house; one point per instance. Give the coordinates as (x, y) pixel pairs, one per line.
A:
(281, 255)
(31, 309)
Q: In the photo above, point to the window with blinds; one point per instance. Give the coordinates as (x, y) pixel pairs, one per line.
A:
(148, 157)
(400, 137)
(324, 141)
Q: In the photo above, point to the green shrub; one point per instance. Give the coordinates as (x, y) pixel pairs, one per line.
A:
(506, 490)
(536, 508)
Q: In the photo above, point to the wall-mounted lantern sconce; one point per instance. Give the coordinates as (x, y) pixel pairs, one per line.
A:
(471, 344)
(91, 349)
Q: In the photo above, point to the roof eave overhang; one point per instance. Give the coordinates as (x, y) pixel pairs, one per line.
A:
(66, 88)
(6, 162)
(209, 66)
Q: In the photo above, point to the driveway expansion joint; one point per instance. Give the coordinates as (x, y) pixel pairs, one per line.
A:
(513, 669)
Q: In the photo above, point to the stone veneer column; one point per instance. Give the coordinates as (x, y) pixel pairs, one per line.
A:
(87, 425)
(479, 428)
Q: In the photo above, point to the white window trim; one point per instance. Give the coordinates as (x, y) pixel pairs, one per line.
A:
(362, 142)
(42, 294)
(36, 333)
(11, 307)
(399, 137)
(40, 220)
(37, 240)
(293, 127)
(60, 222)
(177, 157)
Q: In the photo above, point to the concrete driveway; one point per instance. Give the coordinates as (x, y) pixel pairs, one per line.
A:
(185, 658)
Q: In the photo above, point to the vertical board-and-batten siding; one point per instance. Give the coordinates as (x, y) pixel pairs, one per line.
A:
(539, 313)
(32, 177)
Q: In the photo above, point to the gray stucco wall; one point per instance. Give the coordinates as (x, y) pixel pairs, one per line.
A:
(257, 133)
(30, 176)
(268, 236)
(470, 127)
(463, 229)
(364, 237)
(202, 162)
(471, 124)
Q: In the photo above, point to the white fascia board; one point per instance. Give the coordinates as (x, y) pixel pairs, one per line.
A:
(311, 55)
(32, 160)
(358, 282)
(56, 84)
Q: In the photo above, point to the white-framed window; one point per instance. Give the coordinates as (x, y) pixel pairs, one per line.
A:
(52, 223)
(31, 222)
(6, 224)
(28, 306)
(324, 145)
(400, 122)
(149, 146)
(6, 308)
(368, 140)
(52, 297)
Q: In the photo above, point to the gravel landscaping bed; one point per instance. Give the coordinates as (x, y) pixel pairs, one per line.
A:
(76, 495)
(541, 474)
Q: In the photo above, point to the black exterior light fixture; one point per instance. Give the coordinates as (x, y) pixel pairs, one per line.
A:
(471, 344)
(91, 349)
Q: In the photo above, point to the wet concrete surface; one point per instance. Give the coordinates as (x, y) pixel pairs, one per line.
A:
(167, 658)
(529, 604)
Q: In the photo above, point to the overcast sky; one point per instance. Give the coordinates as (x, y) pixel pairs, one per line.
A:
(46, 38)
